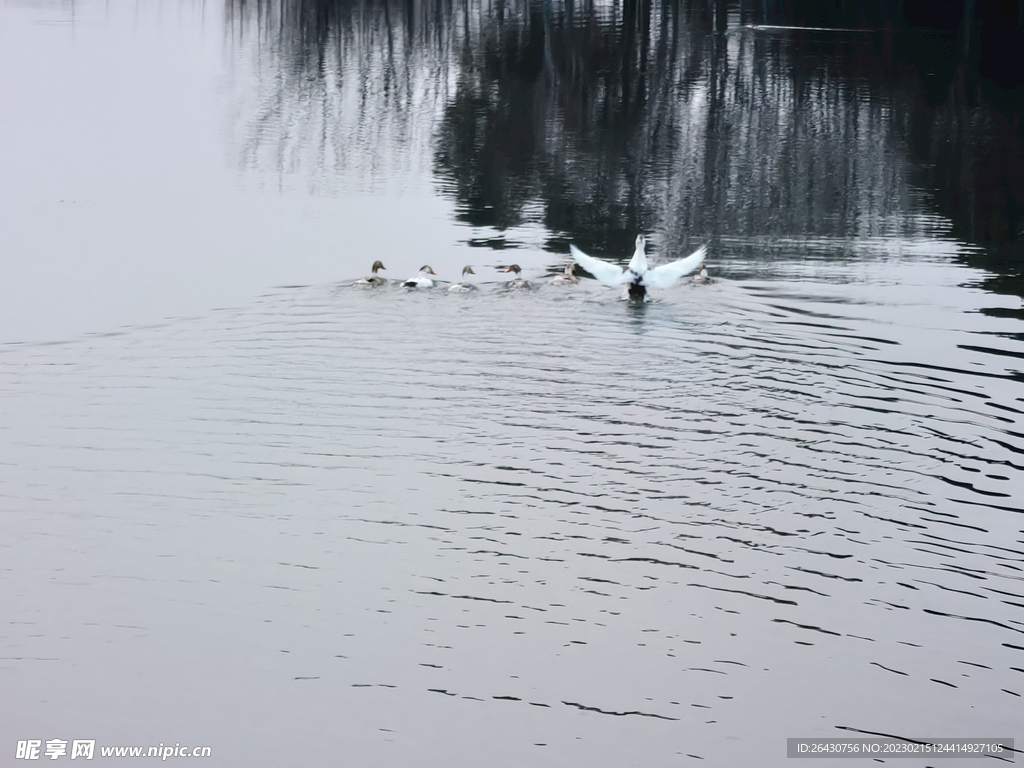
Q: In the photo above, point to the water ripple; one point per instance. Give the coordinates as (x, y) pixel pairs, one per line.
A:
(556, 498)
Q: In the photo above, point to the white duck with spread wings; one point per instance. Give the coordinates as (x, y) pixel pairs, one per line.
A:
(637, 276)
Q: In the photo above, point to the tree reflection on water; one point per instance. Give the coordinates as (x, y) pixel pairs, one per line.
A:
(690, 120)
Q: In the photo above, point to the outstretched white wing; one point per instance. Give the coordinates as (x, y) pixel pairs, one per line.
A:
(667, 275)
(609, 274)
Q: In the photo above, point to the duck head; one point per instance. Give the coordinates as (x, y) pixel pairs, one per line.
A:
(426, 270)
(467, 271)
(514, 268)
(377, 265)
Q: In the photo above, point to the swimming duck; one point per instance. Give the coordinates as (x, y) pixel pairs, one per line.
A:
(517, 282)
(373, 279)
(702, 276)
(567, 277)
(421, 280)
(638, 277)
(464, 286)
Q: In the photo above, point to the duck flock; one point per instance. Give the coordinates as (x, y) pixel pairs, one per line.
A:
(636, 277)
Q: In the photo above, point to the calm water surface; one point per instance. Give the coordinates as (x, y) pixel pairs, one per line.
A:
(338, 525)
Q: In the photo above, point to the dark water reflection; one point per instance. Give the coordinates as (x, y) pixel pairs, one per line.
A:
(697, 124)
(390, 527)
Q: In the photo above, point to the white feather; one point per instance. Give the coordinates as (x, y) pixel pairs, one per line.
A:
(609, 274)
(668, 275)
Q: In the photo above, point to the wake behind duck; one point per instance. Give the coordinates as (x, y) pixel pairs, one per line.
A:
(637, 276)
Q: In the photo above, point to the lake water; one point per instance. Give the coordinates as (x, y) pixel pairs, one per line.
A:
(246, 503)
